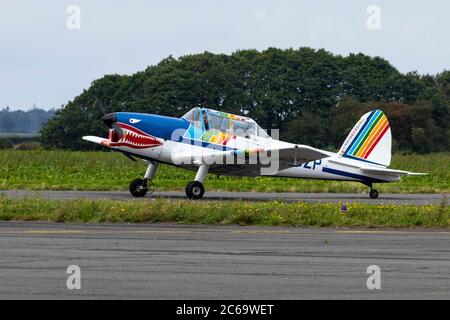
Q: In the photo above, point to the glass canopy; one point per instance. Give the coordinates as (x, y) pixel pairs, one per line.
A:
(213, 120)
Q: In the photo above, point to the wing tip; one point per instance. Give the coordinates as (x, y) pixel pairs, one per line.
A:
(94, 139)
(418, 173)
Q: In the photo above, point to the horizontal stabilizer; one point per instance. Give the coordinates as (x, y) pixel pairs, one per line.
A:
(391, 172)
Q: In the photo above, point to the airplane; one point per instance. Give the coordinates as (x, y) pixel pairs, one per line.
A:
(211, 141)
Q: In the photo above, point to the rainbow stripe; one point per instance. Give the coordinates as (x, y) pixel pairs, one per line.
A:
(368, 136)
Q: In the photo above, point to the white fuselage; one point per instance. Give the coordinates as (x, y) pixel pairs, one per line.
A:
(332, 168)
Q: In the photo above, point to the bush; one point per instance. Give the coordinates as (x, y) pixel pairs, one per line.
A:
(6, 143)
(32, 145)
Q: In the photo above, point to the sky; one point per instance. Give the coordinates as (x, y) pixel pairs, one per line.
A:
(50, 51)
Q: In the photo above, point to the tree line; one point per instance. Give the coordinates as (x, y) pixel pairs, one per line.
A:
(19, 121)
(313, 96)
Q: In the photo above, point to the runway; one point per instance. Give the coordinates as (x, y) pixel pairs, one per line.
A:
(399, 199)
(160, 261)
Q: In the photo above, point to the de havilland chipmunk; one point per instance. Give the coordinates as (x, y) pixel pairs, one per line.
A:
(211, 141)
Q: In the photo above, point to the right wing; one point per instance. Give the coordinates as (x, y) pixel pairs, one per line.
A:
(298, 155)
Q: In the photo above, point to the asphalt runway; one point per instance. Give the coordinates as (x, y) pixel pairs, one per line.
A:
(160, 261)
(400, 199)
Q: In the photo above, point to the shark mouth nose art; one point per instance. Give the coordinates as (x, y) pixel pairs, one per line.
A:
(131, 137)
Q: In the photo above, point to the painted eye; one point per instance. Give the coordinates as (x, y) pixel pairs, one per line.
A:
(132, 120)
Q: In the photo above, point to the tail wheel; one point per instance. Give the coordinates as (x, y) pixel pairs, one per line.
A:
(373, 194)
(195, 190)
(138, 188)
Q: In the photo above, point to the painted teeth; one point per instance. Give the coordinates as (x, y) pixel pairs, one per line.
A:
(136, 139)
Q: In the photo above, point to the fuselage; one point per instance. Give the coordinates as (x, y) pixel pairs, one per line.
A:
(156, 137)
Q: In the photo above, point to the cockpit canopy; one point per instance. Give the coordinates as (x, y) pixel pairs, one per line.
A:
(208, 119)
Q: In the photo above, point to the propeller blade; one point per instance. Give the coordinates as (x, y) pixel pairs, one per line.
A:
(99, 105)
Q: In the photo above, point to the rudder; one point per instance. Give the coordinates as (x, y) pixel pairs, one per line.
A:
(370, 140)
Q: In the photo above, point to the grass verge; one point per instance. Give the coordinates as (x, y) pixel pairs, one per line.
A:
(224, 212)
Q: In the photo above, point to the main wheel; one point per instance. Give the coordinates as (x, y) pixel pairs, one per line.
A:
(373, 194)
(138, 188)
(195, 190)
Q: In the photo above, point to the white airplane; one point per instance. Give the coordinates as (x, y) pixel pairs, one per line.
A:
(211, 141)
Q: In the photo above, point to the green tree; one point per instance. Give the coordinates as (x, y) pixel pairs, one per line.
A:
(312, 96)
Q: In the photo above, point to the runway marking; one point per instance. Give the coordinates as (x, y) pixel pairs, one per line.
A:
(160, 231)
(248, 232)
(43, 232)
(389, 232)
(262, 232)
(62, 232)
(95, 232)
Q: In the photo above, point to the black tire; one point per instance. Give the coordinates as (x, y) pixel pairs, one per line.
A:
(138, 188)
(373, 194)
(195, 190)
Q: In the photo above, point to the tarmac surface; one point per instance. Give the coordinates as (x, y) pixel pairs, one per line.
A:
(164, 261)
(400, 199)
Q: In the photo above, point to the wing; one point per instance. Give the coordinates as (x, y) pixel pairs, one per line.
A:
(300, 154)
(96, 140)
(105, 143)
(249, 161)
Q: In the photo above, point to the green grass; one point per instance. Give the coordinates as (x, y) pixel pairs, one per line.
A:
(65, 170)
(236, 212)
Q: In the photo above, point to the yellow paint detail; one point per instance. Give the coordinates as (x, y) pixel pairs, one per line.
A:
(372, 137)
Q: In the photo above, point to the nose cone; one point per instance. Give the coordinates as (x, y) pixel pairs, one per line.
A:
(110, 119)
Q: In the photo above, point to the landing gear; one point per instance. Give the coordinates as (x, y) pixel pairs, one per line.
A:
(140, 187)
(195, 189)
(373, 193)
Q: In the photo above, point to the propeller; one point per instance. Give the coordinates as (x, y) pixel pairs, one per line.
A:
(110, 120)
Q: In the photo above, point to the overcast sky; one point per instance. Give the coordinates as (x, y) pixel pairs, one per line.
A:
(45, 63)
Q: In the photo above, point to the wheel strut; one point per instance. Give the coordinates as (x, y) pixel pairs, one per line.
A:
(373, 193)
(195, 189)
(140, 187)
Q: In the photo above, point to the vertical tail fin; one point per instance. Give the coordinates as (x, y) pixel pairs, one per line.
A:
(370, 140)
